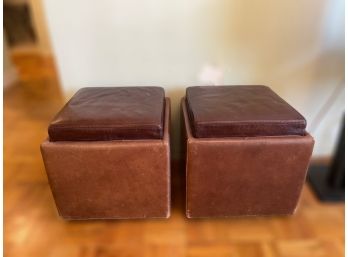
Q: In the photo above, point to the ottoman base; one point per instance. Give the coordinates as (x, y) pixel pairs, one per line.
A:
(110, 179)
(244, 175)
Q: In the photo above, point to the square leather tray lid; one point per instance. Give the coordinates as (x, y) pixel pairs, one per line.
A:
(110, 113)
(241, 111)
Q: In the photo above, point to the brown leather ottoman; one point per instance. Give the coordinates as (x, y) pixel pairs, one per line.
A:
(247, 152)
(108, 155)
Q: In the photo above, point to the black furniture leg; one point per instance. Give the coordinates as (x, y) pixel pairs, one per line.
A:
(328, 182)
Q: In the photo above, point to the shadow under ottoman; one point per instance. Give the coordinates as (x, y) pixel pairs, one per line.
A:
(243, 175)
(114, 179)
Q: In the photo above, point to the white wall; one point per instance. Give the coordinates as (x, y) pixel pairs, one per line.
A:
(296, 47)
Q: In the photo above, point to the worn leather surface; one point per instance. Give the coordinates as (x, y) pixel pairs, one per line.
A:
(110, 113)
(233, 111)
(124, 179)
(244, 176)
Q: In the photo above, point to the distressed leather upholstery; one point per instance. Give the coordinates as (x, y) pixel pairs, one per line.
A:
(238, 176)
(110, 113)
(234, 111)
(119, 179)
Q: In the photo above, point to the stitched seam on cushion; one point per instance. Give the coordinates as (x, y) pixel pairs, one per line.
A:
(237, 124)
(132, 126)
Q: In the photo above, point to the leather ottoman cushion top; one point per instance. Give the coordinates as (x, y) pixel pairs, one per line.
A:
(110, 113)
(241, 111)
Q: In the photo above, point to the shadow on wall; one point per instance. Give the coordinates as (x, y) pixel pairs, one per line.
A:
(270, 42)
(176, 142)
